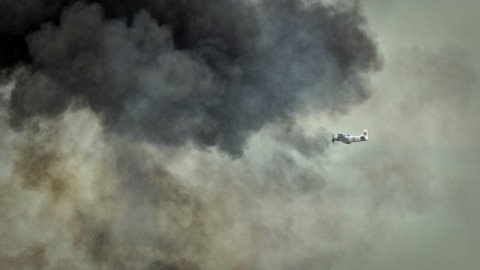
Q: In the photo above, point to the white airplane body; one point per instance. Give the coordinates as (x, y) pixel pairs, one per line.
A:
(347, 138)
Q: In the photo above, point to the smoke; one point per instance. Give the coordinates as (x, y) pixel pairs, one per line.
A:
(120, 120)
(213, 77)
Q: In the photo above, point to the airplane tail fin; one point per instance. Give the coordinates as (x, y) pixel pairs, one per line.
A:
(365, 134)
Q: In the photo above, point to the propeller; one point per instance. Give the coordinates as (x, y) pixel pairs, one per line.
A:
(333, 139)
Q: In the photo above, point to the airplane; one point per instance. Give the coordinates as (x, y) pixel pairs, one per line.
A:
(347, 138)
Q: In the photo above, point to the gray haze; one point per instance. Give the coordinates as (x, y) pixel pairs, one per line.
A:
(423, 167)
(131, 141)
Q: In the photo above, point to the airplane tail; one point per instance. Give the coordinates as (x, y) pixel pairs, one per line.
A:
(364, 135)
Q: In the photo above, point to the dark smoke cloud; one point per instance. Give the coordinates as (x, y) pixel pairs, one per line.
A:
(210, 72)
(119, 119)
(18, 18)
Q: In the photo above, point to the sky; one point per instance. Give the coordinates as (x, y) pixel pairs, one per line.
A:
(423, 108)
(185, 135)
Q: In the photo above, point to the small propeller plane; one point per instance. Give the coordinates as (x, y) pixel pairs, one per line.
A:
(347, 138)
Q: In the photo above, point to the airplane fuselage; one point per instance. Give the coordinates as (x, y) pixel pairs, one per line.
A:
(347, 138)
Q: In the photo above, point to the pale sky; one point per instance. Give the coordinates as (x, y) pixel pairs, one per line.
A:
(423, 117)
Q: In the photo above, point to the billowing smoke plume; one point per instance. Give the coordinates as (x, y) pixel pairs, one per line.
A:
(120, 119)
(211, 72)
